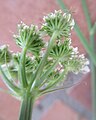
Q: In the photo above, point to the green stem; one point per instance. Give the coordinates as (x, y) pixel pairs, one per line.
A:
(22, 74)
(86, 13)
(93, 67)
(93, 76)
(43, 92)
(44, 59)
(9, 84)
(44, 76)
(26, 108)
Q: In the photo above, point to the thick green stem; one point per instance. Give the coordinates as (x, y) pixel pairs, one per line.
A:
(26, 108)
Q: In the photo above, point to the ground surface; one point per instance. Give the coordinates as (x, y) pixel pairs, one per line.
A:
(30, 11)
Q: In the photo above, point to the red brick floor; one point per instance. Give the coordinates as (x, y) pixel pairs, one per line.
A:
(60, 111)
(82, 92)
(11, 13)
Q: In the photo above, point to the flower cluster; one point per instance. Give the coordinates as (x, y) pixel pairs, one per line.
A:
(57, 21)
(69, 60)
(28, 36)
(69, 57)
(48, 65)
(30, 65)
(61, 50)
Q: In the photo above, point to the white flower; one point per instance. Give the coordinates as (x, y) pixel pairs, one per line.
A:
(46, 44)
(25, 27)
(87, 62)
(60, 64)
(45, 17)
(41, 53)
(72, 22)
(61, 71)
(75, 51)
(52, 15)
(82, 56)
(69, 17)
(70, 41)
(33, 57)
(85, 69)
(59, 11)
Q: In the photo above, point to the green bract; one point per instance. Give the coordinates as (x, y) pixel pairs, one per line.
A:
(29, 63)
(5, 55)
(61, 50)
(57, 21)
(28, 36)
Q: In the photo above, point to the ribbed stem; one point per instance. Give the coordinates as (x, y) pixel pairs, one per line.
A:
(23, 79)
(43, 61)
(26, 108)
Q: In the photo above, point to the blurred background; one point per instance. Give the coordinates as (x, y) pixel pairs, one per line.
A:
(70, 104)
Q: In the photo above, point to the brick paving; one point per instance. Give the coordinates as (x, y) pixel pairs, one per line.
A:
(11, 13)
(60, 111)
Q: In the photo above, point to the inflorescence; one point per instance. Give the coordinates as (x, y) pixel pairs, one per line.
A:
(59, 60)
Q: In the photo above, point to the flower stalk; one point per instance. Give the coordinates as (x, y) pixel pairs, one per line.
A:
(26, 108)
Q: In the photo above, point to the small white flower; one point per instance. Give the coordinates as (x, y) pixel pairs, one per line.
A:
(18, 25)
(64, 15)
(45, 17)
(85, 69)
(50, 58)
(82, 56)
(72, 22)
(87, 62)
(46, 44)
(44, 24)
(69, 17)
(60, 64)
(70, 41)
(41, 53)
(21, 22)
(75, 50)
(59, 11)
(33, 57)
(4, 46)
(25, 27)
(61, 71)
(52, 15)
